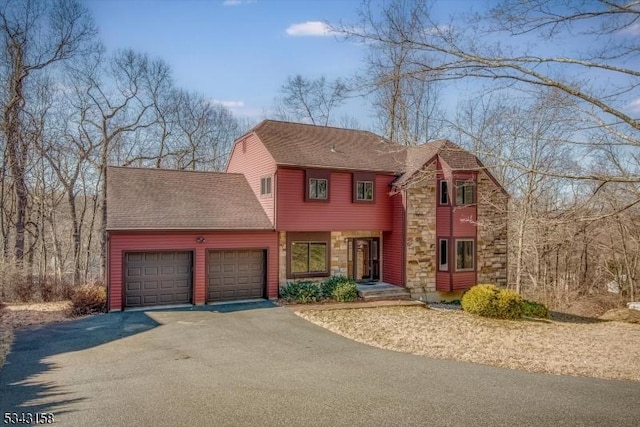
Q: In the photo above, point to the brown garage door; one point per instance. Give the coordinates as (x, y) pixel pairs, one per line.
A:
(237, 274)
(157, 278)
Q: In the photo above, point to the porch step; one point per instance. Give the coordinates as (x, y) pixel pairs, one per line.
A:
(383, 291)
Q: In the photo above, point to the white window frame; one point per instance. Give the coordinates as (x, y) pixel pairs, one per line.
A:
(461, 186)
(364, 183)
(473, 255)
(326, 186)
(263, 181)
(443, 266)
(444, 191)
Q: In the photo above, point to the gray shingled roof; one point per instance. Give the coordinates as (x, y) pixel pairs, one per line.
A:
(451, 154)
(298, 144)
(157, 199)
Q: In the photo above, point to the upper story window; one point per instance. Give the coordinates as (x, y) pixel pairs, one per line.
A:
(364, 187)
(318, 188)
(317, 185)
(465, 192)
(364, 190)
(265, 186)
(444, 193)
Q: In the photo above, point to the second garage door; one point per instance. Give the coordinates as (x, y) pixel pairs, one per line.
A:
(235, 274)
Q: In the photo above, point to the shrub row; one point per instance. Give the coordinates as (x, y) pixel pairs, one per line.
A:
(491, 301)
(340, 288)
(89, 299)
(21, 286)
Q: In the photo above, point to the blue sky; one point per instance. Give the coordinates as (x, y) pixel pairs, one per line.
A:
(238, 52)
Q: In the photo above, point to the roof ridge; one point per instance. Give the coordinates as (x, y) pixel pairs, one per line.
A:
(172, 170)
(318, 126)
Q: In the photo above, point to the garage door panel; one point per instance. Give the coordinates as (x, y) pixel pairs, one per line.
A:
(153, 278)
(235, 274)
(150, 257)
(150, 300)
(149, 285)
(182, 284)
(133, 301)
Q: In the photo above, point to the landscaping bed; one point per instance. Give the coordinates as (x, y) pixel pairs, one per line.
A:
(584, 347)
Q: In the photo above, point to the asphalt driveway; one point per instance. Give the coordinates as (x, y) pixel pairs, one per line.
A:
(257, 364)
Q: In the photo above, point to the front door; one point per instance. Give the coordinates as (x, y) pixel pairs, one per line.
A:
(364, 259)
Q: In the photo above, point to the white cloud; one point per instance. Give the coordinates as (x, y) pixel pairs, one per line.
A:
(230, 104)
(310, 28)
(635, 106)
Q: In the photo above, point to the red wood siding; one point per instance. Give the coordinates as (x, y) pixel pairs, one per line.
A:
(393, 244)
(464, 221)
(464, 280)
(443, 281)
(443, 221)
(119, 243)
(340, 213)
(456, 222)
(251, 158)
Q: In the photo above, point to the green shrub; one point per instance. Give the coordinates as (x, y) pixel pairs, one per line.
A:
(490, 301)
(329, 285)
(88, 299)
(535, 309)
(302, 292)
(508, 305)
(346, 291)
(480, 299)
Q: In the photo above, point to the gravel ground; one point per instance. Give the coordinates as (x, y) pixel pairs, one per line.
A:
(592, 349)
(15, 316)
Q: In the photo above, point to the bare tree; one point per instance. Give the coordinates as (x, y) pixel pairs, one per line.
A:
(406, 99)
(116, 105)
(205, 132)
(35, 35)
(496, 48)
(310, 100)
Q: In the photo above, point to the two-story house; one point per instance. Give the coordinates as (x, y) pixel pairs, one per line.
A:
(299, 201)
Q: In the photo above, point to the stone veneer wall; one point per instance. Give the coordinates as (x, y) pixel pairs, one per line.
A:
(492, 232)
(338, 253)
(421, 235)
(339, 249)
(282, 258)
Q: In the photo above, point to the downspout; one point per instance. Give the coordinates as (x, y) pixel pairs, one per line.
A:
(275, 202)
(275, 230)
(452, 243)
(475, 244)
(107, 270)
(405, 199)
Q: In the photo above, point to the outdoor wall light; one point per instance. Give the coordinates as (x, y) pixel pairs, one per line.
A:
(200, 239)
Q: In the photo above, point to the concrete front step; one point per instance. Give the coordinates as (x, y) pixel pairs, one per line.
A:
(383, 291)
(390, 297)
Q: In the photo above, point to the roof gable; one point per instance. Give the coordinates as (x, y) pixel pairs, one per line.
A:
(145, 199)
(452, 157)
